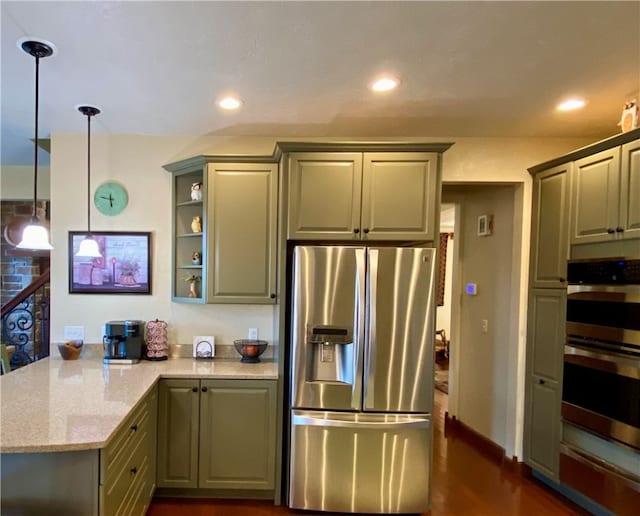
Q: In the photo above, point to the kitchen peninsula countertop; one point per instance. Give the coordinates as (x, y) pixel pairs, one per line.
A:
(55, 405)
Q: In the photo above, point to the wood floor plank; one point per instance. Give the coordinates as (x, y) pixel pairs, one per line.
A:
(465, 482)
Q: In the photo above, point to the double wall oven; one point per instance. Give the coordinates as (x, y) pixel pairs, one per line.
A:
(601, 377)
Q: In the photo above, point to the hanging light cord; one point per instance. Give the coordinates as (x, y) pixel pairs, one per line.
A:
(35, 146)
(89, 174)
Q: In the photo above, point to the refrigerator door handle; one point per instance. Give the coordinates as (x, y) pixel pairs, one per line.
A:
(370, 364)
(356, 393)
(307, 419)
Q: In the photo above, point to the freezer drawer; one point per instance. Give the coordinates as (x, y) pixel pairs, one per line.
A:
(356, 462)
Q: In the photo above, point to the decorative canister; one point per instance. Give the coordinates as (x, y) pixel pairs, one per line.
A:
(157, 341)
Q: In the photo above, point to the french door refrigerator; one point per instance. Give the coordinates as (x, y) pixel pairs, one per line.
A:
(361, 379)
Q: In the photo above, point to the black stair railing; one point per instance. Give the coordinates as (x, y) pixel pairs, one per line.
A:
(25, 323)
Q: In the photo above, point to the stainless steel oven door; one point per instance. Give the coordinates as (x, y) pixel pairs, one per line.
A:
(606, 317)
(601, 393)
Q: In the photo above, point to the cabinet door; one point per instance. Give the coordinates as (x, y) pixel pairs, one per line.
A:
(399, 196)
(630, 190)
(596, 184)
(188, 237)
(324, 195)
(543, 439)
(545, 348)
(549, 227)
(178, 421)
(242, 208)
(237, 434)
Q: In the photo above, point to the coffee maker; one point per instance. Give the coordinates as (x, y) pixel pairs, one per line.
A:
(123, 342)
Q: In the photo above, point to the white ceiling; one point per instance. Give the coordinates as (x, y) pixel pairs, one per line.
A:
(302, 68)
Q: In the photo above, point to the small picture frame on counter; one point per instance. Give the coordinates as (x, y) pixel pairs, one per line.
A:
(204, 347)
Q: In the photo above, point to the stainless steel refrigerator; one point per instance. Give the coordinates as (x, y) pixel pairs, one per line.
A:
(361, 379)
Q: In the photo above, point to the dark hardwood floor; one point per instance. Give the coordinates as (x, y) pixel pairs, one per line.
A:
(465, 482)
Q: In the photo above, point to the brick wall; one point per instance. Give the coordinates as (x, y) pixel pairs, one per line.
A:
(16, 272)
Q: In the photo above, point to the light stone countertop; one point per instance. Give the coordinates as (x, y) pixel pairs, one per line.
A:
(55, 405)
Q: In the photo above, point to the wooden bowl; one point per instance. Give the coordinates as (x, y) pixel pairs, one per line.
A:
(70, 350)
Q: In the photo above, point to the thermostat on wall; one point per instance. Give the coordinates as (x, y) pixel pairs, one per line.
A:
(471, 289)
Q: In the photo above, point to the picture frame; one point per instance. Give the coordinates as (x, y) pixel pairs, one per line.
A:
(124, 268)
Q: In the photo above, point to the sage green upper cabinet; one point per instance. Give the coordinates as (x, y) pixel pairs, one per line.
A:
(231, 223)
(550, 227)
(607, 195)
(324, 195)
(630, 189)
(363, 196)
(596, 194)
(241, 231)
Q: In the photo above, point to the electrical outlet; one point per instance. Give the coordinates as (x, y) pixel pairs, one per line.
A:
(485, 325)
(73, 333)
(253, 333)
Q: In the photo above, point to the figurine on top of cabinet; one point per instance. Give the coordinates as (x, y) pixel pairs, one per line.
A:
(196, 191)
(196, 224)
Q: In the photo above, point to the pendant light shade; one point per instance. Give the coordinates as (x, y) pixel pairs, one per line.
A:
(89, 247)
(35, 236)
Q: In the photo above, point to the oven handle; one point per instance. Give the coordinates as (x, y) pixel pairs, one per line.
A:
(602, 361)
(604, 292)
(599, 464)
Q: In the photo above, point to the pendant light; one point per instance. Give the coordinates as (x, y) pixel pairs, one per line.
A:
(35, 236)
(89, 246)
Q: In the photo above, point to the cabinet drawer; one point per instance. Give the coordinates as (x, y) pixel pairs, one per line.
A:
(135, 429)
(118, 495)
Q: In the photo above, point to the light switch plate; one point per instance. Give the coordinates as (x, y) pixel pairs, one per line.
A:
(253, 334)
(73, 333)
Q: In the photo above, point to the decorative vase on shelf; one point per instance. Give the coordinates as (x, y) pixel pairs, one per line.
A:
(196, 192)
(196, 224)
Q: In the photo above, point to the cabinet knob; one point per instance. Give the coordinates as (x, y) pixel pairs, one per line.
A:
(272, 296)
(541, 381)
(134, 428)
(133, 470)
(204, 389)
(366, 230)
(611, 231)
(356, 231)
(620, 229)
(194, 389)
(561, 279)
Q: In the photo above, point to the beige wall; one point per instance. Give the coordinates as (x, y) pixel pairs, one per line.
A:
(137, 162)
(16, 182)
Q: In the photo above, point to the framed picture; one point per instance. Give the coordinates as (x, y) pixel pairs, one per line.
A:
(124, 268)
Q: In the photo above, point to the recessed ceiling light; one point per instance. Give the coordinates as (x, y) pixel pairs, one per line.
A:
(229, 103)
(571, 104)
(385, 84)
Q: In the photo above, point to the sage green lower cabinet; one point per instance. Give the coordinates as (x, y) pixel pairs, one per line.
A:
(119, 479)
(178, 431)
(217, 435)
(543, 384)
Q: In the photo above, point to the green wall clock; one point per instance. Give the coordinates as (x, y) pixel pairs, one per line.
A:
(110, 198)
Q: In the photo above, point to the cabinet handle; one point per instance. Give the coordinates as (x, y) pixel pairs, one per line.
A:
(356, 231)
(611, 231)
(204, 389)
(620, 229)
(133, 470)
(134, 428)
(366, 230)
(541, 381)
(194, 389)
(561, 279)
(272, 296)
